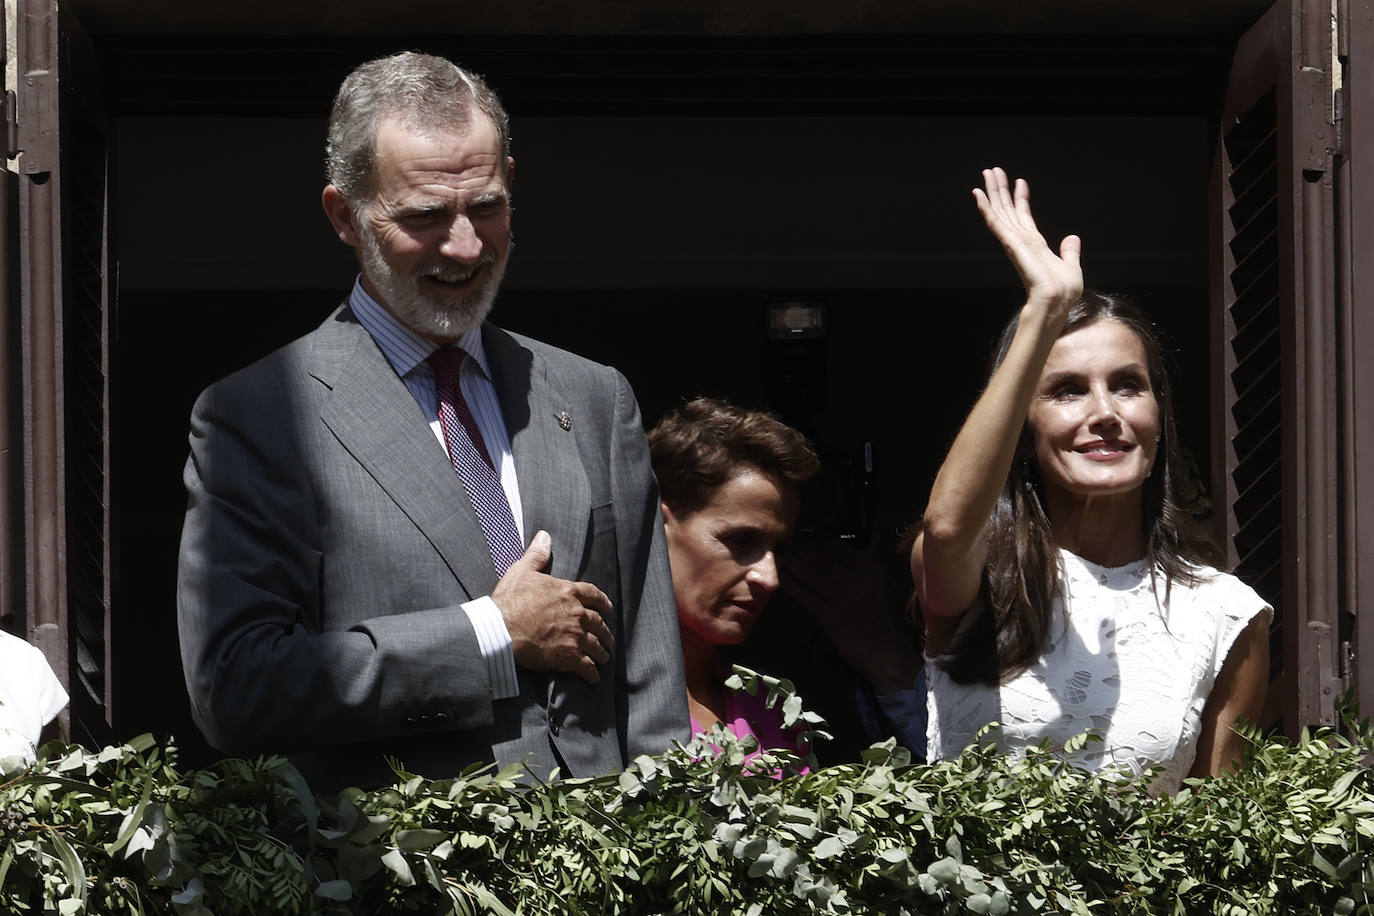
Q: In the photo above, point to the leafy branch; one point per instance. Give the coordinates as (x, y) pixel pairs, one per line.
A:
(122, 830)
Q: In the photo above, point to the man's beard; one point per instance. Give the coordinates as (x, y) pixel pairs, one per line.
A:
(429, 313)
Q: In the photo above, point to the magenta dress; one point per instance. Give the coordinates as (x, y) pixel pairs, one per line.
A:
(746, 714)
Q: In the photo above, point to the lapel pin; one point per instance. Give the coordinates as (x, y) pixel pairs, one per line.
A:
(565, 420)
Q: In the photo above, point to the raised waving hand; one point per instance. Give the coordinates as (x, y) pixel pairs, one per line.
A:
(1051, 280)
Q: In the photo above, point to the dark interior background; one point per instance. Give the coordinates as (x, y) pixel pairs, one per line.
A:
(669, 189)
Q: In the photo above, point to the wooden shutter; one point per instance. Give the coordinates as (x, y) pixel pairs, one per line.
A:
(1274, 317)
(11, 391)
(65, 307)
(1355, 275)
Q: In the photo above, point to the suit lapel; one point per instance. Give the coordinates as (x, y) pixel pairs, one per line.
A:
(556, 496)
(375, 418)
(554, 492)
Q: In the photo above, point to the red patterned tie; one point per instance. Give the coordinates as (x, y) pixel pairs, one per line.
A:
(470, 459)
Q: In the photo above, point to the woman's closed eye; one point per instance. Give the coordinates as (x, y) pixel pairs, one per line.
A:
(741, 541)
(748, 547)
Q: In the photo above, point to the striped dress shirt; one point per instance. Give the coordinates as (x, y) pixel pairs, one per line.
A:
(407, 351)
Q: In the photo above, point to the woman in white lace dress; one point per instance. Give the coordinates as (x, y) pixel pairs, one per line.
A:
(1062, 589)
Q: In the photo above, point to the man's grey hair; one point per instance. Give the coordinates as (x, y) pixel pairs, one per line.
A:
(424, 92)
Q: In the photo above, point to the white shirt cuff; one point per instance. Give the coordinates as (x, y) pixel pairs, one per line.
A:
(493, 639)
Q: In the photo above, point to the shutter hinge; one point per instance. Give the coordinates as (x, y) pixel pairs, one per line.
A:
(11, 125)
(1339, 106)
(1342, 30)
(1347, 662)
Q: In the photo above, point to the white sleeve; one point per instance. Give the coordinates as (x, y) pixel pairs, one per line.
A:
(494, 641)
(1236, 605)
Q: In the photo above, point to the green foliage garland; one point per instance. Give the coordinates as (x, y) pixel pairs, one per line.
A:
(124, 831)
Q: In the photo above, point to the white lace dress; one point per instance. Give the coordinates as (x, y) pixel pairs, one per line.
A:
(1117, 665)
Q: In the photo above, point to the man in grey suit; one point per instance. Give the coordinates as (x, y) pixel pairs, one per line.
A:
(354, 577)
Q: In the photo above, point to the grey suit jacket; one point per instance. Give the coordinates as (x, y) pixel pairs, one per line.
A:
(328, 543)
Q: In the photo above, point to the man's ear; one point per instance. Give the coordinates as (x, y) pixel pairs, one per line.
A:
(668, 519)
(341, 215)
(510, 172)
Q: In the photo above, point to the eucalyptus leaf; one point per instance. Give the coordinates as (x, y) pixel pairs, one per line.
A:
(71, 865)
(337, 889)
(423, 838)
(132, 821)
(396, 863)
(371, 829)
(828, 847)
(946, 871)
(192, 892)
